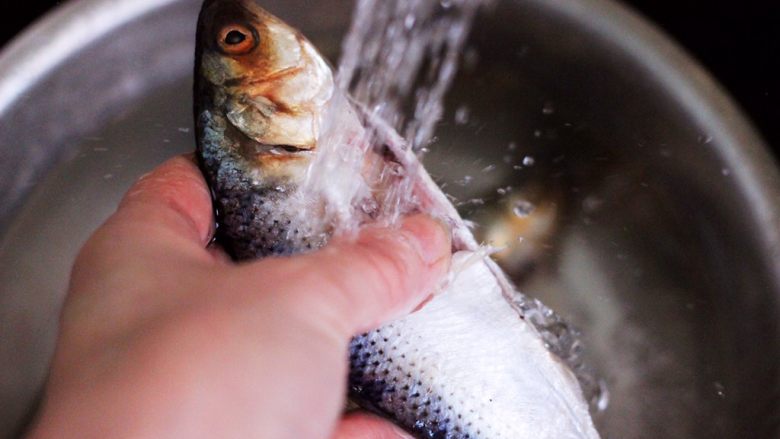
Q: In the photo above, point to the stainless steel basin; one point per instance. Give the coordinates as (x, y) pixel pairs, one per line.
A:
(660, 201)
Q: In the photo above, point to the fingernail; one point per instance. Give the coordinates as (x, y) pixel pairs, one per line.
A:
(431, 239)
(423, 303)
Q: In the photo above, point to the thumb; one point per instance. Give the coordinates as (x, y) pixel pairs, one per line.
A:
(356, 285)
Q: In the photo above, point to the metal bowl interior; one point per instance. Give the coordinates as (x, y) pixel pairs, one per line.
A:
(658, 200)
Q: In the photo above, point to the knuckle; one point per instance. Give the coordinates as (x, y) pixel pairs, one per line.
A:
(389, 264)
(352, 286)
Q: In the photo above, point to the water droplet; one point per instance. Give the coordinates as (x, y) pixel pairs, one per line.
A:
(548, 108)
(512, 146)
(592, 204)
(504, 190)
(409, 21)
(726, 172)
(720, 389)
(488, 169)
(537, 133)
(523, 208)
(446, 4)
(462, 115)
(602, 401)
(108, 176)
(529, 161)
(184, 130)
(465, 181)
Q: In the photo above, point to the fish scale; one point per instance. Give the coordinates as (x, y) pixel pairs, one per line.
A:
(470, 363)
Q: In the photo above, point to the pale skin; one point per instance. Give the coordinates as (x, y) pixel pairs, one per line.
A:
(162, 337)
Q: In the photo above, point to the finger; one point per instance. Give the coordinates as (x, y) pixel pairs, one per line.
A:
(175, 194)
(160, 227)
(165, 218)
(363, 426)
(357, 285)
(168, 208)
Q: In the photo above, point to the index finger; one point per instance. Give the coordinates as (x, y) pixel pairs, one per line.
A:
(166, 211)
(174, 194)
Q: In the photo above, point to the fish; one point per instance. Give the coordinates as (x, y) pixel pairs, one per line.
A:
(479, 360)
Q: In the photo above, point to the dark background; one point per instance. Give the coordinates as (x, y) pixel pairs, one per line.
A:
(738, 41)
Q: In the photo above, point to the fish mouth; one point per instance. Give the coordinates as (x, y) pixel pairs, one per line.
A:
(273, 156)
(252, 148)
(262, 149)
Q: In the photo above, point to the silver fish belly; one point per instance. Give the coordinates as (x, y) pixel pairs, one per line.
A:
(467, 365)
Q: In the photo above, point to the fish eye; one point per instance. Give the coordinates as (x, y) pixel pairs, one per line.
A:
(236, 39)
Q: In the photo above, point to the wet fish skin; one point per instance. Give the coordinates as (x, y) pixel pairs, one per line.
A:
(467, 365)
(256, 127)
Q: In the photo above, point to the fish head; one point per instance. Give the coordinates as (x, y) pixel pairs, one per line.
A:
(261, 90)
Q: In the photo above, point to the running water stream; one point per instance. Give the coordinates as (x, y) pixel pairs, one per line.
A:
(400, 58)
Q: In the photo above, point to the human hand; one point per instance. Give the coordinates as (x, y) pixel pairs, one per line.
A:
(161, 337)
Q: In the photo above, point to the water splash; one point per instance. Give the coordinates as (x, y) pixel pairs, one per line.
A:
(399, 59)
